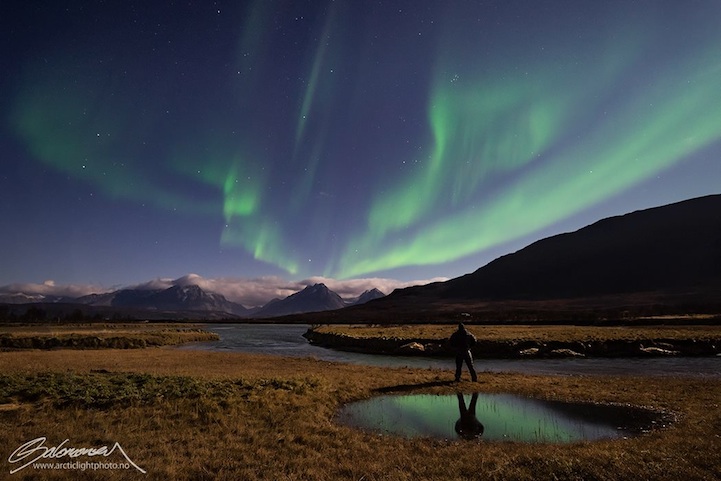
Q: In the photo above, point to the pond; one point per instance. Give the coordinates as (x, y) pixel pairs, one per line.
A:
(495, 417)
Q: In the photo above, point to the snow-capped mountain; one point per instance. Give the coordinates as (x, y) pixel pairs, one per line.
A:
(367, 296)
(191, 301)
(176, 298)
(313, 298)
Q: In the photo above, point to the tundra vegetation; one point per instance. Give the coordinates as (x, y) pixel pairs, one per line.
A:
(99, 336)
(546, 333)
(497, 341)
(195, 415)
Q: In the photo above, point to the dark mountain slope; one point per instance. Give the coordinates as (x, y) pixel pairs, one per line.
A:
(674, 247)
(664, 261)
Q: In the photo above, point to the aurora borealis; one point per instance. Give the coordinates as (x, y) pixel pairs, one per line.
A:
(346, 139)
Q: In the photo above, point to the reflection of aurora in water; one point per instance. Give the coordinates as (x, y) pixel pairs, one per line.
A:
(370, 139)
(503, 417)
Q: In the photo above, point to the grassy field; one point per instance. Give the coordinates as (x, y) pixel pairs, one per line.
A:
(526, 341)
(530, 332)
(192, 415)
(95, 336)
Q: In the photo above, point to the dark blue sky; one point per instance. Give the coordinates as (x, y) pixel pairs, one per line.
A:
(397, 139)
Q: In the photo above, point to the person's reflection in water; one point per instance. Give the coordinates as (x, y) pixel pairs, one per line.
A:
(468, 426)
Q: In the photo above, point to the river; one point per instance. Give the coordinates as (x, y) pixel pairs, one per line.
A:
(288, 340)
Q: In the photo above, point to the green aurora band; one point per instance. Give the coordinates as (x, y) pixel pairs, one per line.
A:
(490, 129)
(509, 151)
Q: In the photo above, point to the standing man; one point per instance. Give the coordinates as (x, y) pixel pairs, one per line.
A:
(461, 341)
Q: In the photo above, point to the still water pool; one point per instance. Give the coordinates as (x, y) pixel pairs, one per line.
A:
(494, 417)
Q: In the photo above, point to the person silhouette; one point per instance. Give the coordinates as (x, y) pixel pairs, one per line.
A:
(468, 426)
(461, 341)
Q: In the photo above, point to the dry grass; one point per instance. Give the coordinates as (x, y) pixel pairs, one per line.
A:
(78, 336)
(523, 333)
(190, 415)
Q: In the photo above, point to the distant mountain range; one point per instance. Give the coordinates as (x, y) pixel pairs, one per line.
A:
(176, 298)
(650, 262)
(315, 298)
(186, 302)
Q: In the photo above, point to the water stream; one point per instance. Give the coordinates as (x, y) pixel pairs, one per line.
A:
(288, 340)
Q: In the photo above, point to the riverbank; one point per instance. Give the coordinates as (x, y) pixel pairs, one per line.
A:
(100, 336)
(190, 415)
(533, 341)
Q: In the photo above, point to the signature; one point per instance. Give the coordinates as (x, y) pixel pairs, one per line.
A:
(35, 450)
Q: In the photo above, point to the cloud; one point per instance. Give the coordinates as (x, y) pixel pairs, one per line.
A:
(258, 291)
(248, 292)
(50, 288)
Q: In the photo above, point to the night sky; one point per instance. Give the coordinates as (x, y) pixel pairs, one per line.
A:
(338, 140)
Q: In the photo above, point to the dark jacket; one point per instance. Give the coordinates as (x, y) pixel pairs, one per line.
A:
(462, 340)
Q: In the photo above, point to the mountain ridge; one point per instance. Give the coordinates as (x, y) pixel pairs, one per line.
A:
(677, 246)
(655, 261)
(664, 260)
(181, 302)
(314, 298)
